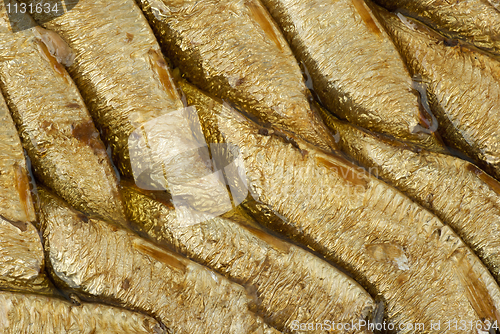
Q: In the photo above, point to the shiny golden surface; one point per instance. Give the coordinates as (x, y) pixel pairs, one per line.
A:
(101, 261)
(55, 127)
(310, 289)
(458, 192)
(28, 314)
(397, 249)
(235, 51)
(21, 253)
(355, 69)
(463, 88)
(118, 68)
(475, 21)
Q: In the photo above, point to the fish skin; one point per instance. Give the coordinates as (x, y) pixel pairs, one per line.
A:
(111, 264)
(475, 21)
(118, 67)
(395, 248)
(241, 57)
(53, 122)
(21, 252)
(290, 283)
(356, 71)
(463, 88)
(458, 192)
(27, 314)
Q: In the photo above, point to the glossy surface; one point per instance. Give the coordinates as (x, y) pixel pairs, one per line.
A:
(235, 51)
(28, 314)
(463, 88)
(118, 68)
(309, 289)
(54, 124)
(397, 249)
(355, 69)
(457, 191)
(104, 262)
(21, 253)
(475, 21)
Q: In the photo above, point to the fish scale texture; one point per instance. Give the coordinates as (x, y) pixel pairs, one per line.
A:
(419, 266)
(463, 89)
(355, 69)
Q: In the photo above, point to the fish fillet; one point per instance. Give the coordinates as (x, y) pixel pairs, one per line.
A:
(106, 263)
(354, 67)
(395, 248)
(235, 51)
(54, 124)
(462, 84)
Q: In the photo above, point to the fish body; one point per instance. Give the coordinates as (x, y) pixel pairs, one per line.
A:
(354, 67)
(475, 21)
(291, 285)
(53, 122)
(234, 50)
(21, 252)
(118, 68)
(102, 261)
(27, 314)
(462, 85)
(399, 251)
(458, 192)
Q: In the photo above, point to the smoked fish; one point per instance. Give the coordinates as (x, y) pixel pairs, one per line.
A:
(101, 261)
(462, 85)
(118, 67)
(398, 250)
(475, 21)
(234, 50)
(355, 69)
(53, 122)
(458, 192)
(21, 252)
(28, 314)
(292, 285)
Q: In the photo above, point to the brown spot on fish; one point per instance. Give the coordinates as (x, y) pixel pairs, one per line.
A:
(387, 252)
(366, 16)
(86, 133)
(23, 188)
(22, 226)
(348, 173)
(58, 68)
(73, 105)
(125, 284)
(475, 289)
(262, 18)
(159, 65)
(275, 242)
(129, 37)
(490, 181)
(161, 256)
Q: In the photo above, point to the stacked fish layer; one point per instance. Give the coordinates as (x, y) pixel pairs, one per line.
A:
(240, 203)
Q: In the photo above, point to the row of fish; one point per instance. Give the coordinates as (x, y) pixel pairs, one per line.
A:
(257, 111)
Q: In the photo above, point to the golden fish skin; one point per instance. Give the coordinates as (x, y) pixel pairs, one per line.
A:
(21, 252)
(54, 125)
(118, 68)
(233, 49)
(102, 261)
(463, 88)
(292, 285)
(475, 21)
(459, 193)
(28, 314)
(395, 248)
(355, 69)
